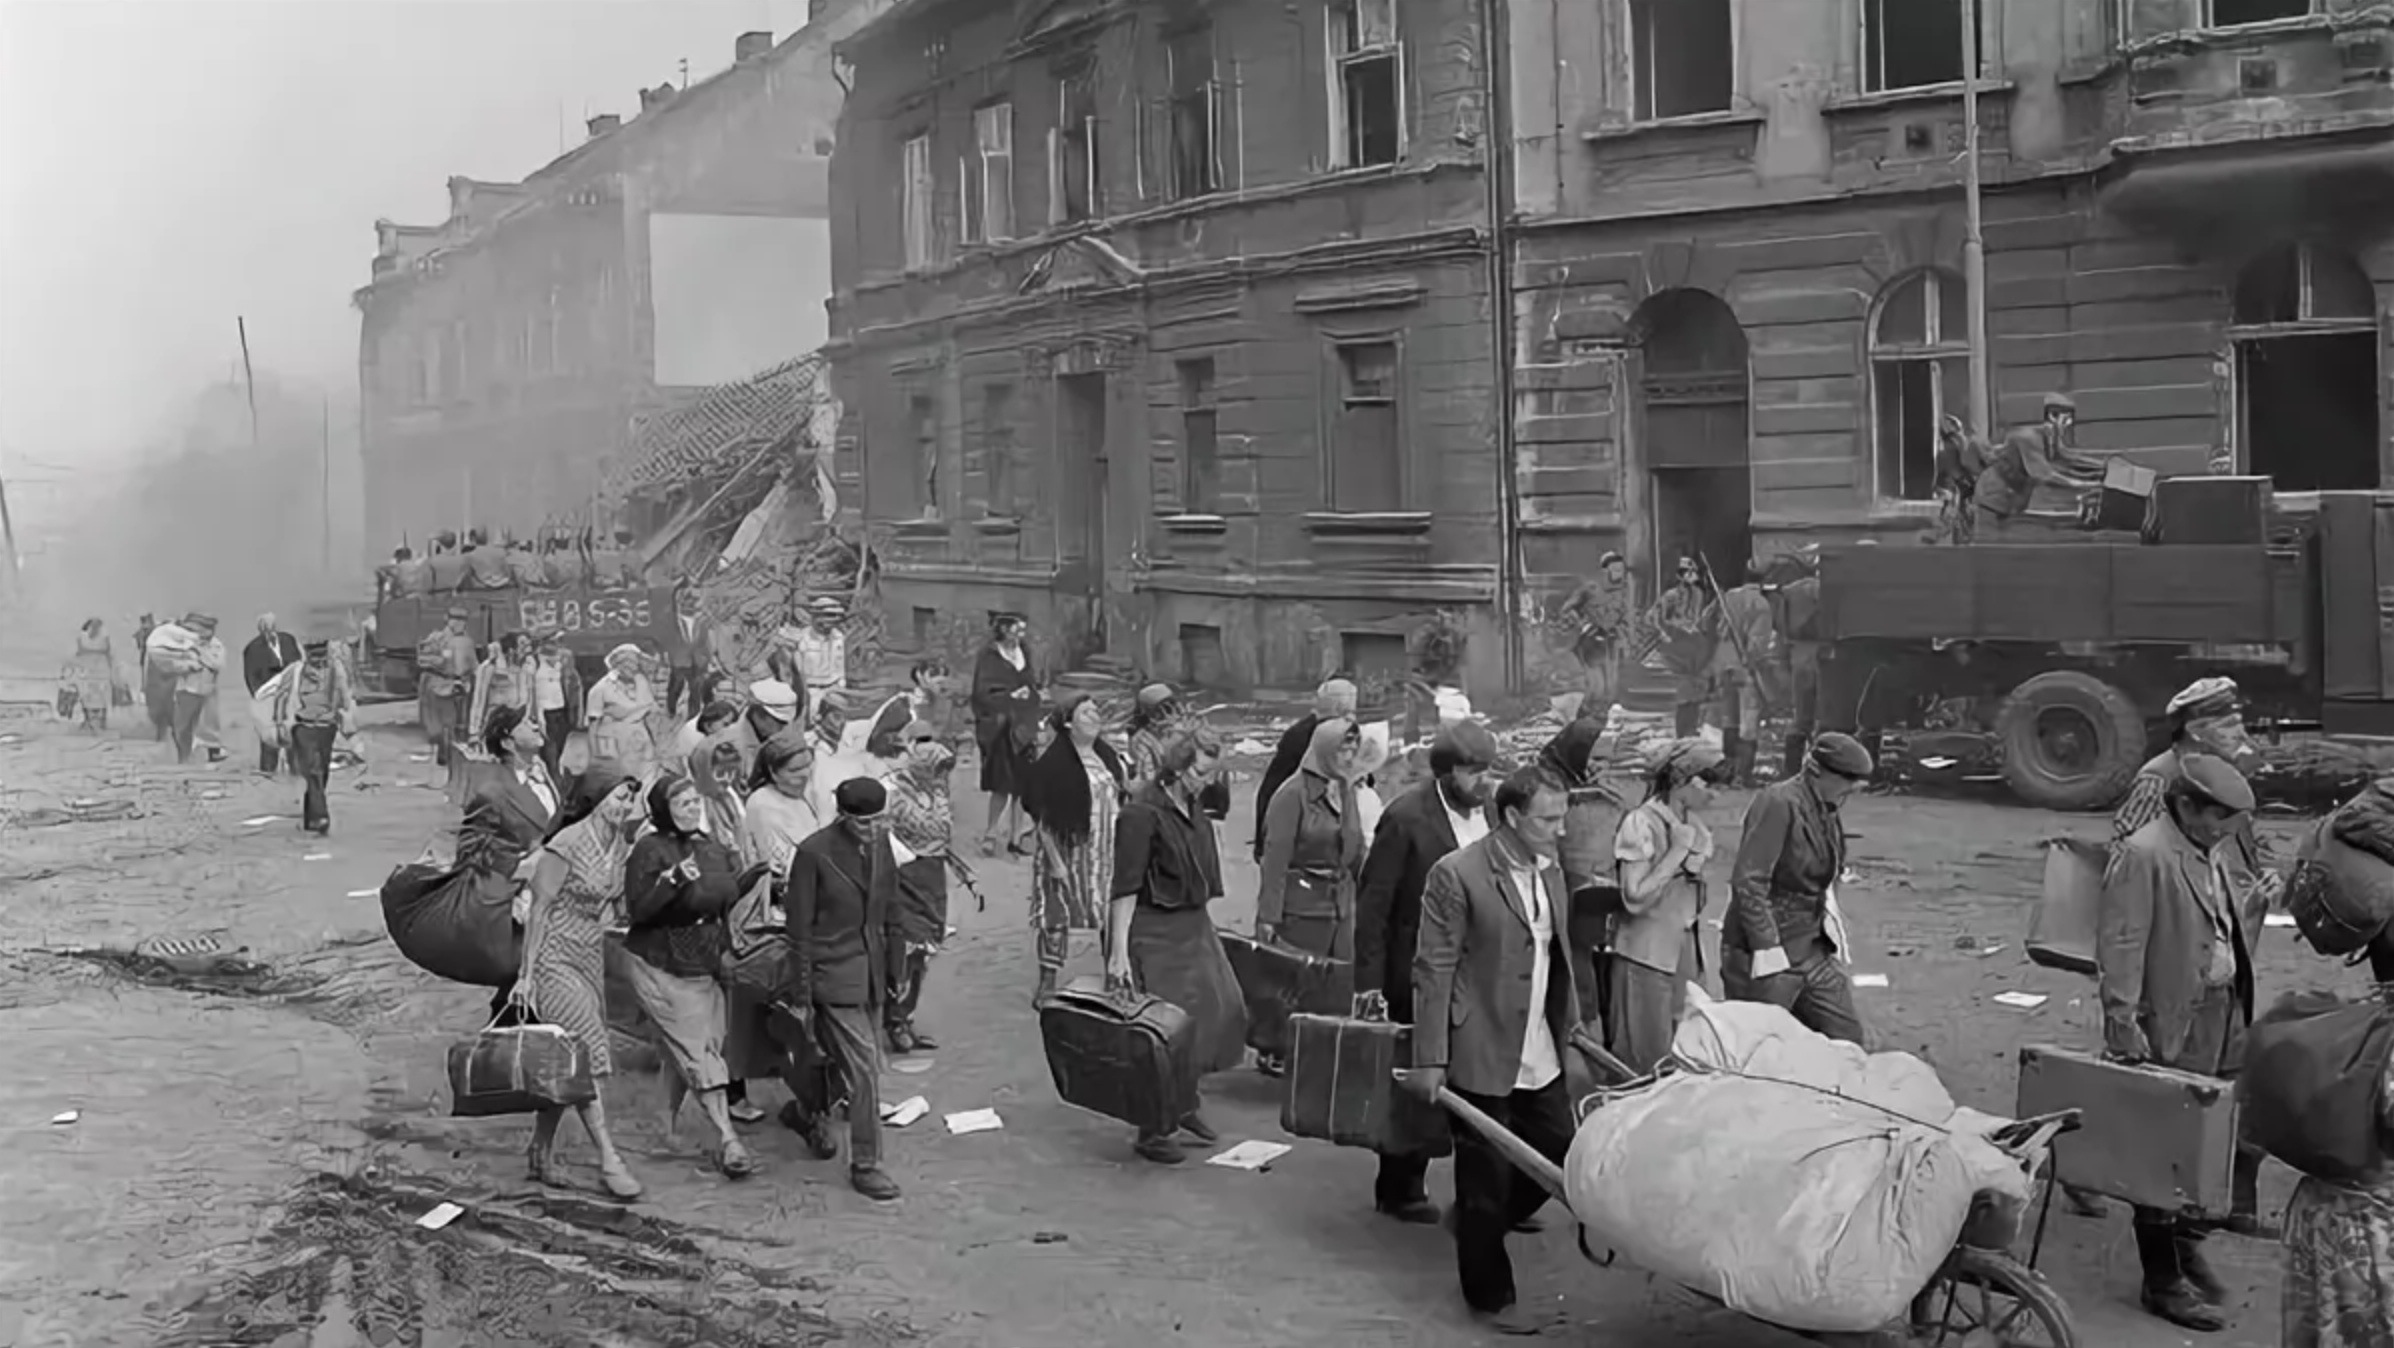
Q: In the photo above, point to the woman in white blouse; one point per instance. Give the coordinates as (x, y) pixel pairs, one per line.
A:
(1659, 854)
(780, 815)
(619, 710)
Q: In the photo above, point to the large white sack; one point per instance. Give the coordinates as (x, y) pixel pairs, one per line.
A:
(1762, 1040)
(1799, 1208)
(261, 703)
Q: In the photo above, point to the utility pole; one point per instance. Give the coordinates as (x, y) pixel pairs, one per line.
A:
(249, 378)
(1974, 241)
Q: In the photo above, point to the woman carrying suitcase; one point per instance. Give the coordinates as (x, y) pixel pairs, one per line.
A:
(1313, 854)
(1075, 796)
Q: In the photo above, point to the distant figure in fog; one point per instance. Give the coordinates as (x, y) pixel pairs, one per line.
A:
(313, 708)
(269, 653)
(94, 671)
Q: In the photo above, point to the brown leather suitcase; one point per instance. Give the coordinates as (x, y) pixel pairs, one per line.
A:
(1278, 982)
(1342, 1088)
(1129, 1057)
(2153, 1136)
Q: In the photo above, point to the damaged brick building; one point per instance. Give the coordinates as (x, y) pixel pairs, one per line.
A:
(1167, 325)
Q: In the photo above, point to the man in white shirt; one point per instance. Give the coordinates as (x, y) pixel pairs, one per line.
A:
(1494, 1008)
(822, 652)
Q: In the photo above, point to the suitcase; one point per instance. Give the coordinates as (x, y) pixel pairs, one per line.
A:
(1278, 982)
(2206, 508)
(2153, 1136)
(1128, 1057)
(2061, 931)
(1342, 1088)
(2127, 497)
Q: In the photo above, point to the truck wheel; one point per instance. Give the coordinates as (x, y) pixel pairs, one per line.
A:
(2070, 741)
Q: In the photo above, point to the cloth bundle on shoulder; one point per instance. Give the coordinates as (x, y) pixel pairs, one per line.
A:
(457, 922)
(174, 649)
(2312, 1092)
(2341, 891)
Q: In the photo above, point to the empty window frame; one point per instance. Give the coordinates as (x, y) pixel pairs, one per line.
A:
(1196, 163)
(1366, 465)
(2238, 13)
(1919, 373)
(1911, 44)
(1684, 55)
(1367, 80)
(917, 192)
(1200, 458)
(1072, 149)
(997, 451)
(988, 176)
(922, 419)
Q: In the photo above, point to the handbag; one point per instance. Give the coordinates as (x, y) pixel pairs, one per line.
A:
(756, 954)
(2061, 933)
(518, 1069)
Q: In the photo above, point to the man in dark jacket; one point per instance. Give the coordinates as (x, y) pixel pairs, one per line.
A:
(1783, 934)
(267, 654)
(1418, 829)
(1330, 701)
(845, 946)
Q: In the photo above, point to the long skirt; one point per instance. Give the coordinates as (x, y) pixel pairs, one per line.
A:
(2338, 1289)
(1177, 955)
(1642, 1013)
(690, 1019)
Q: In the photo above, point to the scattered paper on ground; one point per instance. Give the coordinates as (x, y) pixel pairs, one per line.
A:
(365, 893)
(317, 856)
(2279, 920)
(975, 1121)
(440, 1216)
(908, 1110)
(1250, 1155)
(1938, 764)
(2021, 1001)
(261, 821)
(67, 1117)
(1870, 980)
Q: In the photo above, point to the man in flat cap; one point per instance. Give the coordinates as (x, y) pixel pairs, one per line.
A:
(2029, 457)
(1418, 830)
(1335, 698)
(1783, 939)
(846, 951)
(445, 662)
(2177, 990)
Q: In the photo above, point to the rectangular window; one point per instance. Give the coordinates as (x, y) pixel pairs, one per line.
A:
(1911, 44)
(1367, 110)
(918, 202)
(1366, 453)
(989, 176)
(922, 416)
(1200, 460)
(1196, 97)
(2237, 13)
(1685, 54)
(997, 450)
(1072, 150)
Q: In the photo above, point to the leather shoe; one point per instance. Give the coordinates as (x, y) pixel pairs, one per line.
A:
(1517, 1321)
(2197, 1271)
(1196, 1126)
(923, 1043)
(815, 1132)
(873, 1184)
(2183, 1306)
(1412, 1212)
(1160, 1150)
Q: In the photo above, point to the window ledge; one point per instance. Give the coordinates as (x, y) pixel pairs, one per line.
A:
(1368, 524)
(921, 527)
(1667, 126)
(1948, 92)
(997, 526)
(1193, 525)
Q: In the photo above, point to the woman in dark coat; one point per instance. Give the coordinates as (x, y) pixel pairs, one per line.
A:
(1076, 792)
(1005, 725)
(512, 803)
(1167, 867)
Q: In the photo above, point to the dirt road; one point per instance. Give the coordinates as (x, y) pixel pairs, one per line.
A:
(248, 1152)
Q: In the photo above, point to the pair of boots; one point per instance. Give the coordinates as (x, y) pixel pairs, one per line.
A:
(2179, 1285)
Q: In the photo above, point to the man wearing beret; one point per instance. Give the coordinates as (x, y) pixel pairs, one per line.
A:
(2177, 988)
(1783, 939)
(2029, 457)
(846, 950)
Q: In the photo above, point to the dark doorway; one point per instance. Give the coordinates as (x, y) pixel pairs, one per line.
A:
(2310, 410)
(1081, 501)
(1694, 422)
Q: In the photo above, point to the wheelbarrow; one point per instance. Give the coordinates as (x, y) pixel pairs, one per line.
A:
(1980, 1297)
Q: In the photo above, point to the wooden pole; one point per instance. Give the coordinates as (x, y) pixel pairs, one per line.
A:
(1974, 238)
(249, 378)
(8, 539)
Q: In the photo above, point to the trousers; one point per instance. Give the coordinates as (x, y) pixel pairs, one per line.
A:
(1492, 1196)
(311, 758)
(847, 1035)
(1815, 990)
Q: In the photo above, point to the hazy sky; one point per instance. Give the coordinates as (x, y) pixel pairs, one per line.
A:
(168, 164)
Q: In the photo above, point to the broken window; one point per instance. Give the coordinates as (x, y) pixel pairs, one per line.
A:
(2307, 370)
(1196, 166)
(1072, 149)
(1366, 453)
(1910, 44)
(2236, 13)
(1919, 373)
(989, 176)
(1200, 464)
(1685, 55)
(917, 187)
(997, 449)
(1366, 94)
(923, 416)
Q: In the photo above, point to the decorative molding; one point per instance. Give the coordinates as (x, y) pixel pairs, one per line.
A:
(1378, 524)
(1390, 294)
(1193, 526)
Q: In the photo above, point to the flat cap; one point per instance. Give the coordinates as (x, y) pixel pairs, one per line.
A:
(1843, 755)
(2215, 779)
(2060, 402)
(774, 696)
(860, 797)
(458, 611)
(2205, 698)
(1465, 744)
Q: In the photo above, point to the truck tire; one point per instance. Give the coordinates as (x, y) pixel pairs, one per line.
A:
(2070, 741)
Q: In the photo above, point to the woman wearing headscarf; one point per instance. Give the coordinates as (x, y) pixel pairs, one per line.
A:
(619, 708)
(1314, 845)
(1075, 796)
(577, 881)
(1005, 725)
(505, 678)
(922, 820)
(677, 885)
(780, 811)
(2337, 1287)
(93, 674)
(722, 793)
(1660, 853)
(1167, 867)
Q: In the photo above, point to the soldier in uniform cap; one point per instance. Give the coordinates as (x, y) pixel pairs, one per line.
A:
(2177, 990)
(2029, 457)
(1781, 939)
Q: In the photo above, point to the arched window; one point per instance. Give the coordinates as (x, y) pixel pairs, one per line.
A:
(1919, 371)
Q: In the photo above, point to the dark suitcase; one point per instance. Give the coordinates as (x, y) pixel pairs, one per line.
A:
(1342, 1088)
(1127, 1057)
(2153, 1136)
(2207, 508)
(1277, 982)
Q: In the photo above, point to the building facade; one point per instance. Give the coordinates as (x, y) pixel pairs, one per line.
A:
(507, 353)
(1167, 325)
(1739, 305)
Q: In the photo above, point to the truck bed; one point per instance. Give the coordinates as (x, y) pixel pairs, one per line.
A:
(2118, 593)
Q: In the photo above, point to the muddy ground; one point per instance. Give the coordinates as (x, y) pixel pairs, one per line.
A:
(249, 1152)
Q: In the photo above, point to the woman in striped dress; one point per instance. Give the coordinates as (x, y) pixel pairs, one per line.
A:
(1075, 796)
(576, 885)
